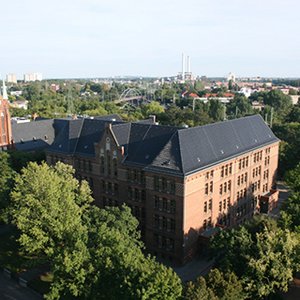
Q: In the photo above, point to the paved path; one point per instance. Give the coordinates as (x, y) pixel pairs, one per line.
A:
(10, 290)
(193, 269)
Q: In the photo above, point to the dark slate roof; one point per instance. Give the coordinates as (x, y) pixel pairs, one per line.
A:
(210, 144)
(168, 149)
(67, 138)
(91, 133)
(34, 135)
(122, 133)
(184, 151)
(147, 141)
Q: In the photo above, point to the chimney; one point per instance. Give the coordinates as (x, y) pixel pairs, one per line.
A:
(183, 65)
(153, 118)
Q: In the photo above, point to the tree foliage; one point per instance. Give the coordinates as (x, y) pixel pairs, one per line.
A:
(94, 253)
(216, 285)
(7, 175)
(263, 255)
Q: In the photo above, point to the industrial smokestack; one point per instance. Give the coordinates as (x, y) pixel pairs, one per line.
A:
(183, 65)
(189, 64)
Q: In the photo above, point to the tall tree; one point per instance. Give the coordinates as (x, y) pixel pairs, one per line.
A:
(94, 253)
(261, 254)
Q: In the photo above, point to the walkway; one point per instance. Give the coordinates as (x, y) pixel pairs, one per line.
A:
(10, 290)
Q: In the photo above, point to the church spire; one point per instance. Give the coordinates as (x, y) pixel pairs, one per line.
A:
(4, 91)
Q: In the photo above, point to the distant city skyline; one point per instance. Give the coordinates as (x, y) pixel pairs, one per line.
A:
(92, 38)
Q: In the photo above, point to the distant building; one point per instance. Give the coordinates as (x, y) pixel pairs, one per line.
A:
(246, 91)
(19, 104)
(33, 77)
(5, 125)
(295, 99)
(16, 93)
(231, 77)
(11, 78)
(54, 87)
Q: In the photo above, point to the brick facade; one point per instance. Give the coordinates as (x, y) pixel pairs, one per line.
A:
(174, 210)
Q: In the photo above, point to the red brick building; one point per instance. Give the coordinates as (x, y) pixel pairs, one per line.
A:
(5, 123)
(179, 182)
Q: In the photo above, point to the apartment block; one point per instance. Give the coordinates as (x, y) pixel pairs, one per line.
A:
(181, 183)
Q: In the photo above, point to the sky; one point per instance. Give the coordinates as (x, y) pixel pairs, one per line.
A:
(97, 38)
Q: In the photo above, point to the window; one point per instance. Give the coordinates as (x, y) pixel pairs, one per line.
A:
(173, 206)
(115, 166)
(156, 183)
(173, 225)
(220, 206)
(226, 170)
(211, 186)
(143, 195)
(172, 187)
(229, 185)
(136, 194)
(230, 168)
(102, 165)
(206, 188)
(156, 202)
(222, 171)
(165, 204)
(221, 189)
(116, 189)
(210, 204)
(164, 184)
(209, 221)
(205, 206)
(130, 193)
(108, 162)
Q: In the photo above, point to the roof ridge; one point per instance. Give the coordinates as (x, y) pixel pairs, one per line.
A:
(220, 122)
